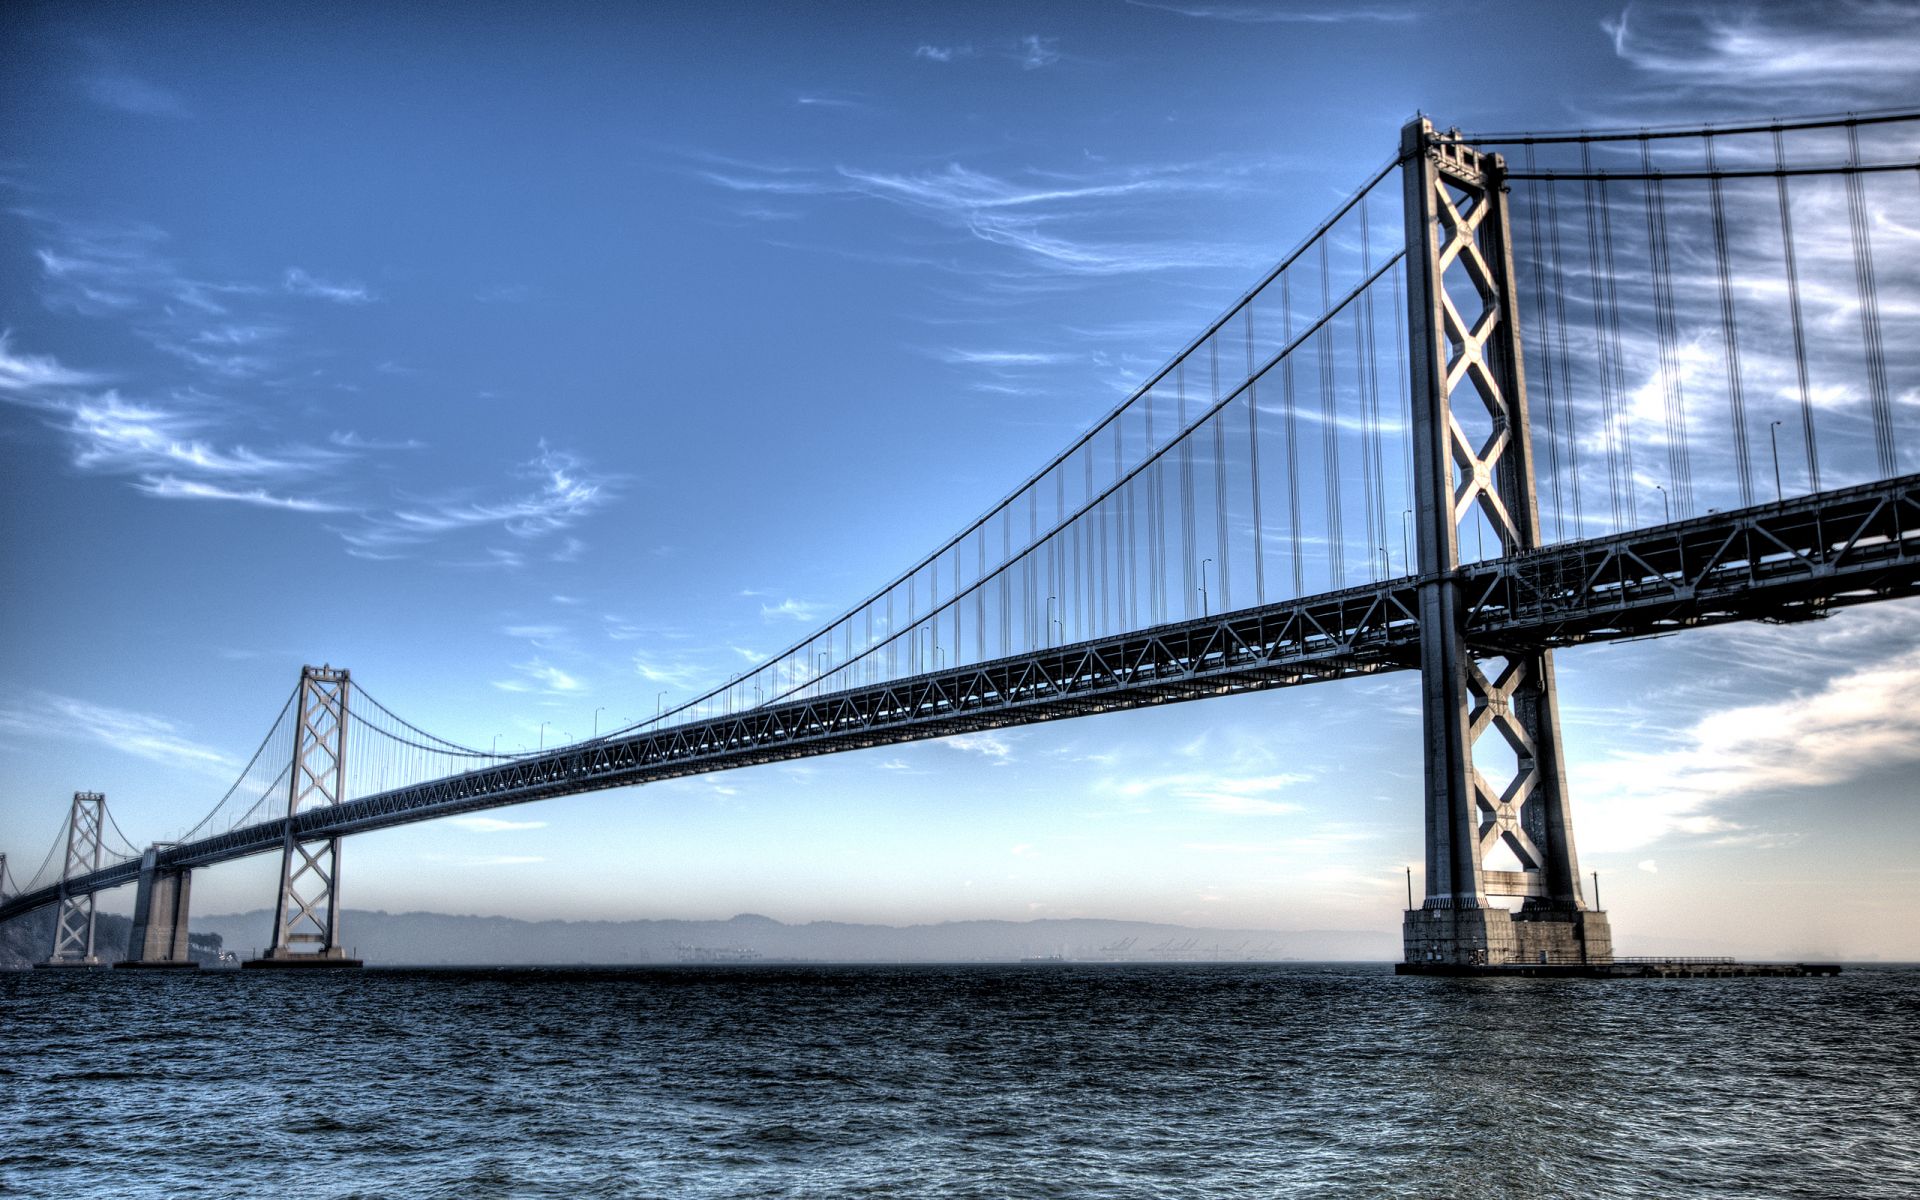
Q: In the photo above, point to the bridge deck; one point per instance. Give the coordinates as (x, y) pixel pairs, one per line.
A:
(1775, 562)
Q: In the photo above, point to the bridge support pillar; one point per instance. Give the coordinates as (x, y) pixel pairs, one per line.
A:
(73, 920)
(1490, 832)
(306, 926)
(159, 937)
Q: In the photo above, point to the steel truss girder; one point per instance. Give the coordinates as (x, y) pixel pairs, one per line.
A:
(73, 925)
(1777, 562)
(308, 912)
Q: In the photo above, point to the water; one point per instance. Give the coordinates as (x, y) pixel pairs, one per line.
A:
(1176, 1081)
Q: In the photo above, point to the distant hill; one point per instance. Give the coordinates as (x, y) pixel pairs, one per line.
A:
(28, 939)
(439, 939)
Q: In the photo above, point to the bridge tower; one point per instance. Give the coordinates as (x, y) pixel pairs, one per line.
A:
(1472, 453)
(73, 921)
(306, 925)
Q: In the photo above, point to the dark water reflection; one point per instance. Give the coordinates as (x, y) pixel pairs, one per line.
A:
(1175, 1081)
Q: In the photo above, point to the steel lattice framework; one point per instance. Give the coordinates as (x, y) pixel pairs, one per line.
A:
(73, 925)
(1794, 561)
(1076, 594)
(308, 912)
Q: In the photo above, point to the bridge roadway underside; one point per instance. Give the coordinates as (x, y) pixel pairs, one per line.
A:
(1778, 562)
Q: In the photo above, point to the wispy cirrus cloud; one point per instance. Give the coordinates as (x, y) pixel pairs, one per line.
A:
(168, 487)
(565, 492)
(155, 739)
(791, 609)
(1036, 51)
(1065, 222)
(121, 92)
(942, 54)
(1282, 13)
(303, 283)
(1812, 54)
(162, 450)
(1004, 358)
(542, 677)
(27, 374)
(481, 824)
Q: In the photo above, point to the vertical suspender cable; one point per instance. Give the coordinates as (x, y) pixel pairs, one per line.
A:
(1679, 473)
(1557, 345)
(1293, 441)
(1618, 355)
(1222, 545)
(1365, 397)
(1253, 468)
(1609, 415)
(1729, 331)
(1188, 559)
(1879, 401)
(1793, 301)
(1547, 365)
(1330, 431)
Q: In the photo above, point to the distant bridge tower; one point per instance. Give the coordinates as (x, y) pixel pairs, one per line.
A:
(1472, 453)
(306, 926)
(74, 920)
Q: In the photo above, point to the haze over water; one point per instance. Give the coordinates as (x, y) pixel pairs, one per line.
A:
(1053, 1080)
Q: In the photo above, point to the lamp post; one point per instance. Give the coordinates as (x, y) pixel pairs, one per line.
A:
(1666, 509)
(659, 706)
(1204, 598)
(495, 750)
(596, 721)
(543, 734)
(1051, 601)
(1773, 436)
(1406, 538)
(1386, 563)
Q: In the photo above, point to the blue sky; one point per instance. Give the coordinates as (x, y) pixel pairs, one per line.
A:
(533, 363)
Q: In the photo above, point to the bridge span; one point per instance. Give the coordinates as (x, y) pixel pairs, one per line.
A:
(1246, 545)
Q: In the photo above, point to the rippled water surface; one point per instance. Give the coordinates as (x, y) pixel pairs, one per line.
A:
(1046, 1080)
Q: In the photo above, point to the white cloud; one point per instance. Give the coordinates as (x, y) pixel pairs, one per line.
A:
(155, 739)
(1822, 738)
(941, 53)
(540, 676)
(1033, 219)
(798, 610)
(677, 675)
(479, 824)
(1037, 51)
(1649, 866)
(1281, 13)
(168, 487)
(986, 745)
(566, 493)
(301, 283)
(125, 93)
(1813, 52)
(1004, 358)
(1239, 795)
(30, 373)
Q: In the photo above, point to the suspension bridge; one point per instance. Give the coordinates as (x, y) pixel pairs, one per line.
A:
(1518, 392)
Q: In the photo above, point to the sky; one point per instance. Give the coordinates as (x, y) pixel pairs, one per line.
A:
(544, 365)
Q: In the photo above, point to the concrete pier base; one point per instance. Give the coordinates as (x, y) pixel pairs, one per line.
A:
(159, 937)
(1627, 968)
(282, 959)
(70, 964)
(1494, 937)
